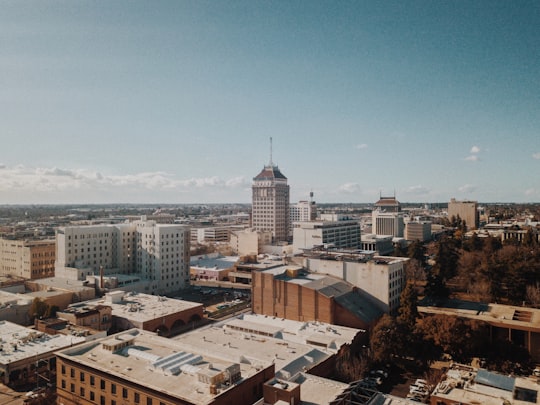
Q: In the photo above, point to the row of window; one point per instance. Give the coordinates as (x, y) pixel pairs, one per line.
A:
(113, 389)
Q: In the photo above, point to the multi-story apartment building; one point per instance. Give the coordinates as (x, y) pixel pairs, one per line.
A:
(303, 211)
(270, 203)
(341, 234)
(157, 252)
(29, 259)
(466, 210)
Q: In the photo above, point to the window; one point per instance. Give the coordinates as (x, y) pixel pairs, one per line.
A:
(102, 384)
(63, 384)
(72, 387)
(72, 373)
(148, 401)
(92, 380)
(137, 398)
(101, 400)
(92, 396)
(113, 388)
(81, 377)
(124, 393)
(63, 369)
(82, 392)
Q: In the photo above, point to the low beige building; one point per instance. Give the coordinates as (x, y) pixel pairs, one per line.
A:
(29, 259)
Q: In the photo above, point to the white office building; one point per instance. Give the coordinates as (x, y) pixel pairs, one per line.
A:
(340, 234)
(159, 253)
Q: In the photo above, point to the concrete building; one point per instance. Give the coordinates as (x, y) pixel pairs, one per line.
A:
(466, 210)
(249, 241)
(388, 223)
(387, 218)
(98, 317)
(380, 244)
(381, 278)
(211, 234)
(418, 230)
(466, 385)
(341, 234)
(28, 356)
(270, 203)
(303, 211)
(519, 325)
(212, 266)
(138, 367)
(292, 293)
(29, 259)
(153, 313)
(158, 253)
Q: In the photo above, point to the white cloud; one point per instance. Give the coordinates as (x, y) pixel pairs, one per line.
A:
(536, 155)
(349, 188)
(43, 179)
(2, 166)
(362, 146)
(418, 190)
(531, 192)
(475, 149)
(472, 158)
(467, 188)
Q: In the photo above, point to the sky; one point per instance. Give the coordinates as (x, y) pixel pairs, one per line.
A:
(176, 101)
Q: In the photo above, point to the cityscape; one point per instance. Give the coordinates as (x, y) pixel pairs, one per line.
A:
(270, 203)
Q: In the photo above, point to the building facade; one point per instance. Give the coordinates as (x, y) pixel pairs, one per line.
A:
(29, 259)
(418, 230)
(303, 211)
(379, 277)
(466, 210)
(341, 234)
(270, 203)
(158, 253)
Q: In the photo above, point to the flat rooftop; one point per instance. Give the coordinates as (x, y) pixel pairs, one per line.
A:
(292, 346)
(464, 384)
(20, 343)
(217, 263)
(139, 307)
(169, 366)
(502, 315)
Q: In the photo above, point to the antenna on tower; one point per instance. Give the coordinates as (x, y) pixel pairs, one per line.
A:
(271, 163)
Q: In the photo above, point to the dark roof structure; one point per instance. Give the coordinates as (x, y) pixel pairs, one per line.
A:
(270, 173)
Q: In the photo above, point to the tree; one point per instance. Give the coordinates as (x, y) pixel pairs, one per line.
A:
(38, 309)
(416, 250)
(414, 271)
(386, 340)
(408, 310)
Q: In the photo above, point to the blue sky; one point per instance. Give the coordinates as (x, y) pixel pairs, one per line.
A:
(175, 101)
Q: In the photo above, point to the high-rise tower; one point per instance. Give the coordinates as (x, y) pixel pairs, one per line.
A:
(270, 201)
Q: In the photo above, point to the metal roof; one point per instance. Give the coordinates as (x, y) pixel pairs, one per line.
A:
(490, 379)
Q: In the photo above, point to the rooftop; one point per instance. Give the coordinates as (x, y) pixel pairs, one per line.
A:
(257, 339)
(165, 365)
(520, 317)
(270, 172)
(20, 343)
(464, 384)
(137, 307)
